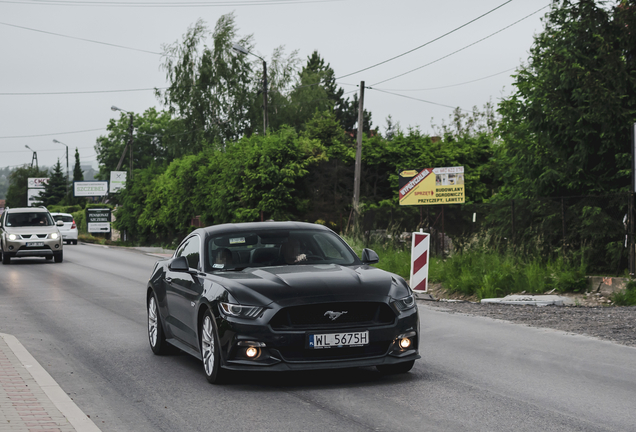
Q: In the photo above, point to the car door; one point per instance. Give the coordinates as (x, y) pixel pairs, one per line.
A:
(183, 290)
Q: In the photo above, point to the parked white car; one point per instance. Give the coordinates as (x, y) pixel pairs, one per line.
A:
(69, 230)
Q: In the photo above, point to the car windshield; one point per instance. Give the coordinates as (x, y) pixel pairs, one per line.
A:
(29, 219)
(63, 218)
(239, 250)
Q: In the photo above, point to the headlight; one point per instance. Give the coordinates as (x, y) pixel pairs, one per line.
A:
(54, 236)
(12, 237)
(405, 303)
(242, 311)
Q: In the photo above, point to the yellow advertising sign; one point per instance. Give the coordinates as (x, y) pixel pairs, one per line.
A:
(432, 186)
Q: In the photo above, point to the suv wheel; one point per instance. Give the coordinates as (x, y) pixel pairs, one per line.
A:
(58, 257)
(6, 259)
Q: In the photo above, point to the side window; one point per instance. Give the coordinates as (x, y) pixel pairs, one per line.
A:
(191, 250)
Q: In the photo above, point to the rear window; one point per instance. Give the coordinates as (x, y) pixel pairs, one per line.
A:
(63, 218)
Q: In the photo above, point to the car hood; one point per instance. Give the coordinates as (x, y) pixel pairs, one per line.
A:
(290, 285)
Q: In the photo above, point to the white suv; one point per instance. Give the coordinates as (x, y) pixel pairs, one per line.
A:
(29, 232)
(69, 230)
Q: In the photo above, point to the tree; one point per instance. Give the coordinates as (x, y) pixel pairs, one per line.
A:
(566, 128)
(78, 175)
(18, 184)
(55, 190)
(158, 139)
(210, 87)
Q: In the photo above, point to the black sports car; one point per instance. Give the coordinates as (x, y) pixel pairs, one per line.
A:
(275, 296)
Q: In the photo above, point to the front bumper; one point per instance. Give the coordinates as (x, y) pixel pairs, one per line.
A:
(19, 248)
(288, 350)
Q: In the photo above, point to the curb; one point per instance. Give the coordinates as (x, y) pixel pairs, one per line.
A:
(49, 386)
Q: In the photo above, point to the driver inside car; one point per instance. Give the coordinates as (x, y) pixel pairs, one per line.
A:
(291, 252)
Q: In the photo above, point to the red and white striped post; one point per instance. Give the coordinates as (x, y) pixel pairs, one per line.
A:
(420, 242)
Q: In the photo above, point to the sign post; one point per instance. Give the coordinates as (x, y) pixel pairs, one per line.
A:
(420, 243)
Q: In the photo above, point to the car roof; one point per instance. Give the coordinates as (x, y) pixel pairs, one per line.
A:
(61, 214)
(259, 226)
(27, 210)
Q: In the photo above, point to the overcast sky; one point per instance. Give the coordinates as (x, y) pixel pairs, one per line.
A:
(349, 34)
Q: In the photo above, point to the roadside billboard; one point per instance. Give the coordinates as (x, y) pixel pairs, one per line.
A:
(117, 181)
(98, 220)
(90, 188)
(35, 185)
(431, 186)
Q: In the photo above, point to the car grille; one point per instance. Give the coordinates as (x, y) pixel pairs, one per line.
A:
(319, 316)
(299, 354)
(32, 236)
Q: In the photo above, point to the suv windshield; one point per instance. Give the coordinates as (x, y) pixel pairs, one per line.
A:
(29, 219)
(276, 247)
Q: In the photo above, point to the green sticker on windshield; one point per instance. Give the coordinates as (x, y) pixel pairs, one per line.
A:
(239, 240)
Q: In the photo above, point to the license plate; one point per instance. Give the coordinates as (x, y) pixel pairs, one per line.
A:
(35, 244)
(338, 340)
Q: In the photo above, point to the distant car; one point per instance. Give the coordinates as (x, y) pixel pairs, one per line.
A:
(69, 229)
(29, 232)
(280, 296)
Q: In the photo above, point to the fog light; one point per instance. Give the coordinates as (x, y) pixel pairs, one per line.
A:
(10, 247)
(57, 246)
(405, 343)
(251, 352)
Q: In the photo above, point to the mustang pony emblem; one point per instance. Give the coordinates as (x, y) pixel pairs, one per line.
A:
(334, 315)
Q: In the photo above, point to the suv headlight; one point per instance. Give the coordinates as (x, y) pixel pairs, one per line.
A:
(54, 236)
(405, 303)
(241, 311)
(13, 237)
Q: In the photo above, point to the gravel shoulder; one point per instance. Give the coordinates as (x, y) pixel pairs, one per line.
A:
(612, 323)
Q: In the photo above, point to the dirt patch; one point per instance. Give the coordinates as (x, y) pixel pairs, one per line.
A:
(592, 315)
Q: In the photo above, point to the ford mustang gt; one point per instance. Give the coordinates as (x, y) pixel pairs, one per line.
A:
(277, 296)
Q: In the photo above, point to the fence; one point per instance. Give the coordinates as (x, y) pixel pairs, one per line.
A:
(588, 228)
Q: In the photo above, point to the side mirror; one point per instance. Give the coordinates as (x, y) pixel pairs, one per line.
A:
(369, 256)
(59, 223)
(179, 264)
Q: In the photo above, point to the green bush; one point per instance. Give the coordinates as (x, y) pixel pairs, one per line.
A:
(487, 274)
(626, 297)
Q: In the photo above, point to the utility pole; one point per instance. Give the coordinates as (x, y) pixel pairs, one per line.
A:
(265, 119)
(356, 181)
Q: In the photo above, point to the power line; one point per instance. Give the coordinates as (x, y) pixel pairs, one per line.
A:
(155, 4)
(51, 134)
(81, 92)
(453, 85)
(416, 99)
(427, 43)
(78, 38)
(461, 49)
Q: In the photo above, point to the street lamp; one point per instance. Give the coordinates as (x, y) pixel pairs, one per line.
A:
(34, 158)
(128, 144)
(67, 177)
(239, 49)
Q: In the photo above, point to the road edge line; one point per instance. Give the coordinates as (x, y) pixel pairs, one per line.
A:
(75, 416)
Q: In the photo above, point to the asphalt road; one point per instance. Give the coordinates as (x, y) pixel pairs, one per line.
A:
(85, 322)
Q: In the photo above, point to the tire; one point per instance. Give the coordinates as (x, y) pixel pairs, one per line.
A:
(74, 242)
(394, 369)
(210, 350)
(59, 257)
(6, 259)
(156, 335)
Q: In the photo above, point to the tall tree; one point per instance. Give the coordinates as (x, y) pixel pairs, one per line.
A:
(567, 126)
(210, 86)
(56, 189)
